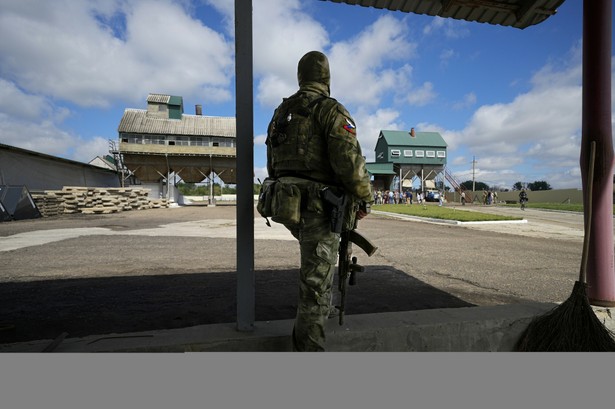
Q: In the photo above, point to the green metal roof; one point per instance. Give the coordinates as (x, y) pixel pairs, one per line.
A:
(380, 168)
(403, 138)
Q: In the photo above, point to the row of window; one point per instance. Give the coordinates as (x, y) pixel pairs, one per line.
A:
(179, 140)
(408, 153)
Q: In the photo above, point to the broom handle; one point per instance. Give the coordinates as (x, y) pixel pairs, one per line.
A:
(588, 220)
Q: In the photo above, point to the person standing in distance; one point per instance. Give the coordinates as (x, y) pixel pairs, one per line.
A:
(312, 144)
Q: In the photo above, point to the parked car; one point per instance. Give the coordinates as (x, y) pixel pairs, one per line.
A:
(432, 196)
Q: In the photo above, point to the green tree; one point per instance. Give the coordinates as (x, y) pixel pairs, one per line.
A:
(467, 185)
(518, 186)
(539, 185)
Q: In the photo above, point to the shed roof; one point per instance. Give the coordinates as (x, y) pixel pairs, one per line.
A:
(403, 138)
(513, 13)
(137, 121)
(380, 168)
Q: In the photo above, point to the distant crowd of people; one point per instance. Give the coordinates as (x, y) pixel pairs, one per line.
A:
(405, 197)
(490, 197)
(408, 197)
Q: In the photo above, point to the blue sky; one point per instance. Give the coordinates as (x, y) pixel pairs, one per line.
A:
(509, 98)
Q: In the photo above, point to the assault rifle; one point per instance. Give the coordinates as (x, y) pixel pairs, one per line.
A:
(347, 265)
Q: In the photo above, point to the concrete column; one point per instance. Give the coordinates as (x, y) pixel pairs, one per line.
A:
(597, 26)
(245, 165)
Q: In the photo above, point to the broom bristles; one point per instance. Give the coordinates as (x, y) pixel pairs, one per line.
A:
(570, 327)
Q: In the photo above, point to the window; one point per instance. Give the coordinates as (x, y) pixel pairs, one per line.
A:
(131, 139)
(183, 141)
(395, 152)
(419, 154)
(408, 153)
(431, 154)
(441, 154)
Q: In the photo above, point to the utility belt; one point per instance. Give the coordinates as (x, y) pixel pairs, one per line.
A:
(285, 199)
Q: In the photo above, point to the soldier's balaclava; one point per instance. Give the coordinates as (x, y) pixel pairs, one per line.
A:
(314, 67)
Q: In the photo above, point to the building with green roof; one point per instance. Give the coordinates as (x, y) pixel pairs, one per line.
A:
(408, 156)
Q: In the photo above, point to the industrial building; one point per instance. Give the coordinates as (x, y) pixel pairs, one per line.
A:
(403, 157)
(162, 143)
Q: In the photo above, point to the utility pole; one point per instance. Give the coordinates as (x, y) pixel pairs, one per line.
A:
(473, 173)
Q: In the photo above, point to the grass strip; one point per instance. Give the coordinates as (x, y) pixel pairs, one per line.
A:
(442, 212)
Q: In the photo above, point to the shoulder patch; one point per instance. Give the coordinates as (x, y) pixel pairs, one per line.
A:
(349, 126)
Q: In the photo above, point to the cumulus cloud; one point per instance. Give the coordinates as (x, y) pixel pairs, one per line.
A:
(96, 53)
(361, 67)
(538, 130)
(422, 95)
(369, 125)
(286, 32)
(468, 101)
(450, 28)
(92, 53)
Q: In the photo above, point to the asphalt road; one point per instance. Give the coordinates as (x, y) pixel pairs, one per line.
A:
(180, 263)
(485, 258)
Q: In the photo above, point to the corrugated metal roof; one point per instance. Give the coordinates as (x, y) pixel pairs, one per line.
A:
(159, 98)
(137, 121)
(13, 149)
(403, 138)
(513, 13)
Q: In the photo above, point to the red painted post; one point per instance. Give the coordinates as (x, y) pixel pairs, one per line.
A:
(597, 127)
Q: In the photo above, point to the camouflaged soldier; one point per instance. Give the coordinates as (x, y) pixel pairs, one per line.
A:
(312, 144)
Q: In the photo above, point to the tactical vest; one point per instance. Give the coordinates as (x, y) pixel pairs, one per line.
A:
(295, 149)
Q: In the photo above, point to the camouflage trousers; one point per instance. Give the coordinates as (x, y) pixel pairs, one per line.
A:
(319, 248)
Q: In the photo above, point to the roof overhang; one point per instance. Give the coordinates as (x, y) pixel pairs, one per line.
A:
(380, 168)
(513, 13)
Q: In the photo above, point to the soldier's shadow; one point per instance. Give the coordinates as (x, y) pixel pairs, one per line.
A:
(377, 289)
(91, 306)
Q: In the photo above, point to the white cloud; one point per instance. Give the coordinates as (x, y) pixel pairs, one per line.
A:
(260, 139)
(285, 33)
(369, 125)
(362, 69)
(93, 53)
(422, 95)
(446, 56)
(32, 122)
(468, 101)
(538, 132)
(448, 27)
(43, 137)
(260, 174)
(19, 105)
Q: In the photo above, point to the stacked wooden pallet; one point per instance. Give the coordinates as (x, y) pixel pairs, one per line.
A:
(87, 200)
(48, 204)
